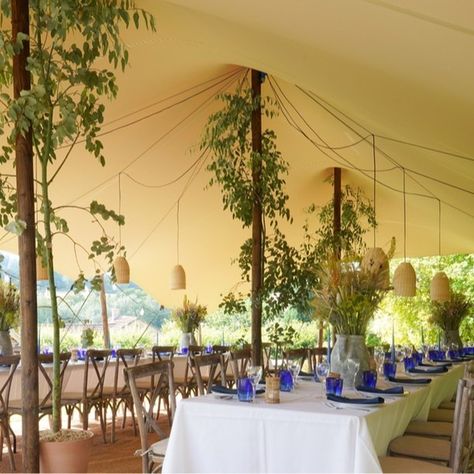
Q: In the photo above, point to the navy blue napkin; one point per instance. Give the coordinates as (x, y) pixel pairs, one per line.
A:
(355, 401)
(405, 380)
(305, 374)
(439, 364)
(231, 391)
(393, 390)
(429, 370)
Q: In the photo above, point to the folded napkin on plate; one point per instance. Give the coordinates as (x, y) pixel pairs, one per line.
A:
(429, 370)
(405, 380)
(439, 364)
(355, 401)
(393, 390)
(231, 391)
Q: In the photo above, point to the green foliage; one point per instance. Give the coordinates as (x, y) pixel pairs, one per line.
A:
(9, 306)
(348, 296)
(450, 314)
(233, 165)
(87, 337)
(68, 41)
(190, 316)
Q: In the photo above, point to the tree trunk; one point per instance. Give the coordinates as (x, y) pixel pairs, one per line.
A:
(105, 317)
(337, 222)
(27, 254)
(257, 256)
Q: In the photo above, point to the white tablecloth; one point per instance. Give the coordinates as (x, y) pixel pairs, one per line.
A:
(301, 434)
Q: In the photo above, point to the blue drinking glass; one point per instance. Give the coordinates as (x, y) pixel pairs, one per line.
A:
(389, 369)
(369, 378)
(409, 363)
(113, 353)
(244, 389)
(418, 357)
(184, 350)
(441, 355)
(286, 380)
(334, 386)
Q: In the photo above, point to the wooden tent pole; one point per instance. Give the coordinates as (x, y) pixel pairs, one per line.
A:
(105, 317)
(27, 253)
(337, 221)
(257, 257)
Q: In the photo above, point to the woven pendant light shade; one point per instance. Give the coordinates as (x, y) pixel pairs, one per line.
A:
(404, 280)
(122, 270)
(376, 261)
(41, 270)
(439, 289)
(178, 278)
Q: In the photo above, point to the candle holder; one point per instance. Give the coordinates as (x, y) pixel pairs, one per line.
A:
(272, 389)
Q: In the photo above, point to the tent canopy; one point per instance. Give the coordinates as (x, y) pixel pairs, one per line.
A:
(401, 71)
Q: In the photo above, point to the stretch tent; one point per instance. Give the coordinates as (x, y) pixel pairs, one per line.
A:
(346, 71)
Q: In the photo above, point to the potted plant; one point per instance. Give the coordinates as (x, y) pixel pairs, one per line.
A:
(188, 318)
(9, 315)
(348, 290)
(449, 315)
(71, 42)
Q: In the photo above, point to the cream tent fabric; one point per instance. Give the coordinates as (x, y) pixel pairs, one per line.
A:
(401, 69)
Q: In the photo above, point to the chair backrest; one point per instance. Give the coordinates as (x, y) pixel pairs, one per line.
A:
(195, 349)
(215, 363)
(43, 361)
(163, 353)
(217, 349)
(125, 358)
(315, 356)
(162, 372)
(296, 355)
(12, 363)
(461, 428)
(239, 361)
(97, 362)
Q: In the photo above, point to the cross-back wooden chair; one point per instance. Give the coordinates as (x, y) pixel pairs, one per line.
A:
(239, 362)
(315, 356)
(159, 353)
(5, 429)
(186, 385)
(45, 405)
(119, 394)
(296, 355)
(215, 365)
(92, 396)
(430, 450)
(220, 349)
(152, 454)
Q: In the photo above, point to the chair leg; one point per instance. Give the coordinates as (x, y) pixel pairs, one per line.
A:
(6, 433)
(132, 412)
(13, 436)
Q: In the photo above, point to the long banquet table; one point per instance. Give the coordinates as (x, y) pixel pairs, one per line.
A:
(74, 376)
(301, 434)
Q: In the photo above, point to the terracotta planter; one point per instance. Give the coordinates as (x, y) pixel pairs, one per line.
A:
(66, 456)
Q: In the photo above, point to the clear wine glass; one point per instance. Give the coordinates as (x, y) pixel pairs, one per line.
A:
(379, 356)
(322, 370)
(352, 369)
(254, 373)
(294, 367)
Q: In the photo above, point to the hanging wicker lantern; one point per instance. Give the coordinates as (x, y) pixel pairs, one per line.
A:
(41, 270)
(439, 289)
(122, 270)
(375, 261)
(404, 280)
(178, 278)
